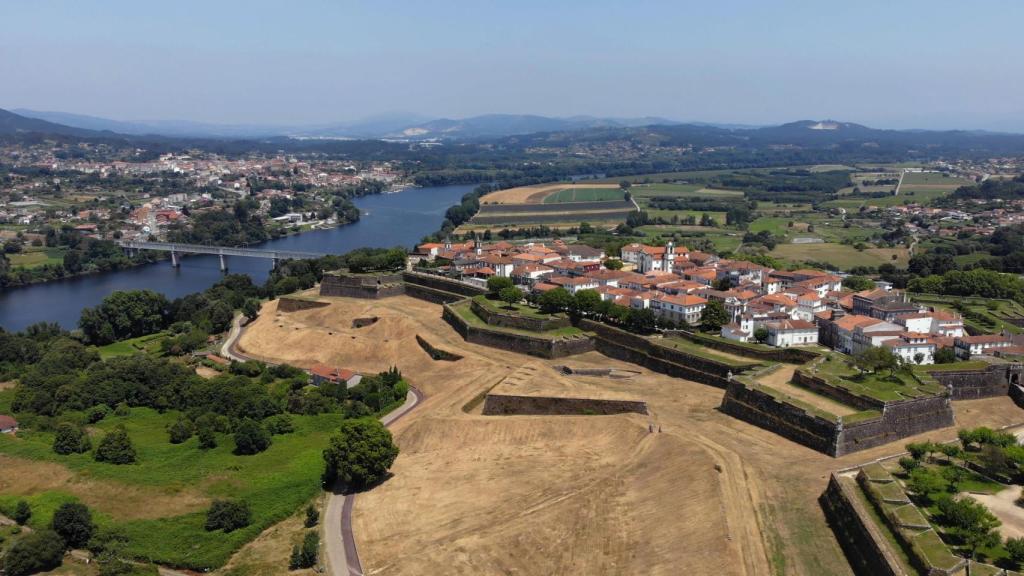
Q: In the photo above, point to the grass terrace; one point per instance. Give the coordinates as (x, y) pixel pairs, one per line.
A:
(518, 308)
(148, 344)
(690, 347)
(584, 195)
(883, 387)
(466, 313)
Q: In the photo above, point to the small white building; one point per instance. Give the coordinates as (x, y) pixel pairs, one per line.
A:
(788, 333)
(982, 344)
(679, 308)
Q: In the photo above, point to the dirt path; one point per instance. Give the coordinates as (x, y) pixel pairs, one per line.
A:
(1004, 505)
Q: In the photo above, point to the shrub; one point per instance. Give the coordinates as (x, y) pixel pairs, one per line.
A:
(251, 438)
(180, 431)
(312, 516)
(35, 552)
(360, 454)
(228, 515)
(73, 523)
(207, 438)
(116, 448)
(280, 424)
(909, 464)
(1015, 548)
(22, 513)
(122, 410)
(70, 439)
(306, 555)
(98, 413)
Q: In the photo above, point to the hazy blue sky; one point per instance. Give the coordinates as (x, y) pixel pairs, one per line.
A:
(903, 63)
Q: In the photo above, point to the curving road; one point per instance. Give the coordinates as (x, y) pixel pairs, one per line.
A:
(339, 544)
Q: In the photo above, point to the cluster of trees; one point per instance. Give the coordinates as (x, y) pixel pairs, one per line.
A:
(41, 550)
(239, 226)
(82, 256)
(978, 282)
(1001, 457)
(376, 260)
(764, 237)
(794, 185)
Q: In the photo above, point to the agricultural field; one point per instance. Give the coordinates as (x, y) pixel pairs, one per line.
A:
(575, 194)
(842, 256)
(641, 191)
(34, 256)
(539, 193)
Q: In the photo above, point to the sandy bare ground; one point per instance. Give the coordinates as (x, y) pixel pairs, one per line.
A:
(120, 501)
(207, 372)
(534, 194)
(473, 494)
(1004, 505)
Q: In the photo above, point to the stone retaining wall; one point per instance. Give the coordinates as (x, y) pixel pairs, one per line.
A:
(432, 294)
(787, 420)
(371, 286)
(821, 386)
(658, 350)
(899, 420)
(621, 351)
(288, 304)
(436, 353)
(992, 381)
(513, 320)
(788, 355)
(506, 404)
(858, 535)
(441, 283)
(521, 343)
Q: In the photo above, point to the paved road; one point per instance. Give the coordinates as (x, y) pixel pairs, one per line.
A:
(339, 544)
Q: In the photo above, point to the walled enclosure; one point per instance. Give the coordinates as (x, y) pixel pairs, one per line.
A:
(505, 404)
(513, 320)
(361, 285)
(521, 343)
(857, 534)
(993, 380)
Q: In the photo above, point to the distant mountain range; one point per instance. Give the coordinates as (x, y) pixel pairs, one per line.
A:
(393, 126)
(524, 131)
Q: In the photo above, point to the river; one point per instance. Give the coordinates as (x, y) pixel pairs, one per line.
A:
(399, 219)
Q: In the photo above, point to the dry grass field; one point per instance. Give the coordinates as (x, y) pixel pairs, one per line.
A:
(473, 494)
(534, 194)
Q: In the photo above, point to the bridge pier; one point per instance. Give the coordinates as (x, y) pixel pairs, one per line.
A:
(223, 264)
(174, 259)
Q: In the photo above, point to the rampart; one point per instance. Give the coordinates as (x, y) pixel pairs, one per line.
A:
(897, 419)
(521, 343)
(788, 355)
(762, 409)
(512, 320)
(371, 286)
(858, 535)
(821, 386)
(292, 304)
(506, 404)
(441, 283)
(993, 380)
(432, 294)
(436, 353)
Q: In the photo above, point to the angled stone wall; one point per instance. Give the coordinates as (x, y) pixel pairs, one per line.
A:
(507, 404)
(994, 380)
(441, 283)
(370, 286)
(513, 320)
(521, 343)
(291, 304)
(859, 537)
(766, 411)
(899, 420)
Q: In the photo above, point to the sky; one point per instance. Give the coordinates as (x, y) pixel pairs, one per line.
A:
(892, 64)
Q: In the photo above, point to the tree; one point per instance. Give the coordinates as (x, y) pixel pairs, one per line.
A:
(495, 284)
(510, 296)
(123, 315)
(909, 464)
(586, 301)
(994, 459)
(22, 513)
(312, 516)
(251, 437)
(640, 320)
(613, 264)
(858, 283)
(925, 483)
(761, 334)
(70, 439)
(945, 356)
(877, 358)
(115, 447)
(1015, 548)
(180, 431)
(714, 316)
(251, 308)
(974, 522)
(555, 300)
(228, 515)
(305, 556)
(73, 523)
(34, 552)
(360, 454)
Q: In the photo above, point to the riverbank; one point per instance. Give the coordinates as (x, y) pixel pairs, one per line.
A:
(387, 220)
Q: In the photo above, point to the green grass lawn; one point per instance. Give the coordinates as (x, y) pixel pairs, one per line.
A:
(681, 191)
(933, 178)
(518, 308)
(719, 217)
(149, 344)
(879, 386)
(467, 314)
(33, 257)
(696, 349)
(584, 195)
(275, 483)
